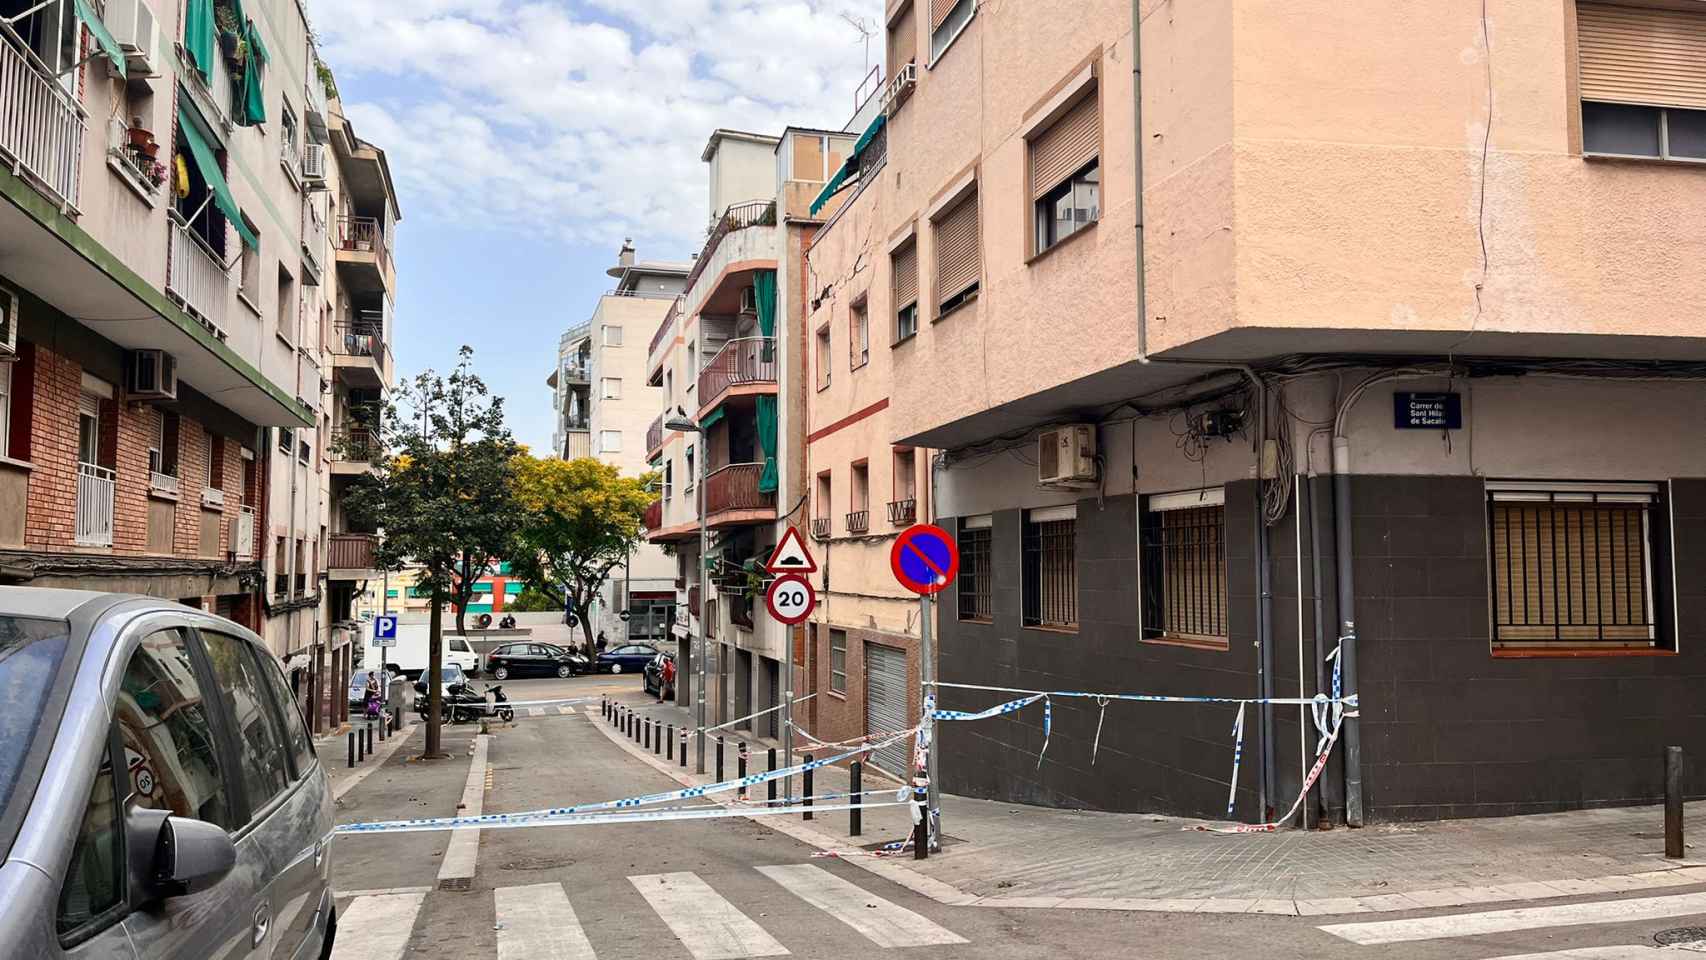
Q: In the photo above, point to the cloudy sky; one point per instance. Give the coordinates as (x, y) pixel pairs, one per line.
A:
(528, 137)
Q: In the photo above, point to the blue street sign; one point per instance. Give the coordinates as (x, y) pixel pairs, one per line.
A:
(385, 628)
(925, 559)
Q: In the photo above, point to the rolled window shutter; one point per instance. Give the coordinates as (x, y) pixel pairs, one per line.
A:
(957, 265)
(1642, 55)
(1066, 146)
(906, 277)
(903, 40)
(939, 10)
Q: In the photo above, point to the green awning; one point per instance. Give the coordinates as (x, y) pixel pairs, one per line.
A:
(201, 37)
(251, 100)
(830, 189)
(103, 36)
(712, 417)
(851, 167)
(208, 165)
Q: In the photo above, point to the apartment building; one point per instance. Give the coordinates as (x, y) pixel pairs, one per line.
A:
(1411, 363)
(161, 282)
(571, 394)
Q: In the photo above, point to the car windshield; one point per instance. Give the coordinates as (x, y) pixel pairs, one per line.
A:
(31, 652)
(451, 672)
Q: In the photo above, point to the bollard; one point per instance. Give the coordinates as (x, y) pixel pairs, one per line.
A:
(808, 786)
(771, 783)
(352, 748)
(920, 832)
(855, 826)
(369, 733)
(1673, 804)
(360, 754)
(740, 768)
(669, 744)
(646, 732)
(684, 749)
(604, 706)
(657, 739)
(382, 726)
(719, 759)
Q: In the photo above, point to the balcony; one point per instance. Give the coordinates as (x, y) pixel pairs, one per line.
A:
(740, 216)
(859, 521)
(197, 276)
(243, 538)
(744, 366)
(41, 124)
(655, 359)
(732, 497)
(364, 257)
(94, 504)
(354, 449)
(654, 515)
(314, 243)
(654, 438)
(903, 513)
(352, 556)
(360, 354)
(577, 371)
(820, 528)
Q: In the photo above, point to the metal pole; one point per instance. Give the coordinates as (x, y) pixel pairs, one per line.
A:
(927, 669)
(855, 772)
(684, 749)
(788, 708)
(1674, 848)
(740, 767)
(771, 784)
(1345, 559)
(719, 754)
(808, 783)
(704, 645)
(669, 743)
(351, 763)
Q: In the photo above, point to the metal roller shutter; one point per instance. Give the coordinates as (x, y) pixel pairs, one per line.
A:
(939, 10)
(905, 277)
(957, 263)
(1065, 147)
(1642, 55)
(885, 705)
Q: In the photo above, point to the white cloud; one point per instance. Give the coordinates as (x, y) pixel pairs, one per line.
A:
(584, 120)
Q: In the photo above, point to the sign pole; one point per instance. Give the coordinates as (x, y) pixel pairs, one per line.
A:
(788, 709)
(927, 673)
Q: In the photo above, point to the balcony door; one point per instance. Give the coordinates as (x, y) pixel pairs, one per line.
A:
(88, 430)
(50, 31)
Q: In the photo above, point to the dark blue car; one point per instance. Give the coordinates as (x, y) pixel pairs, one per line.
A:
(628, 658)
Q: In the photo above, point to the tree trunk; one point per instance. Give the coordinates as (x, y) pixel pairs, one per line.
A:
(586, 625)
(462, 618)
(435, 677)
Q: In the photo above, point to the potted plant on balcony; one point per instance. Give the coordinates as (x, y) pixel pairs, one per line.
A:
(143, 142)
(230, 35)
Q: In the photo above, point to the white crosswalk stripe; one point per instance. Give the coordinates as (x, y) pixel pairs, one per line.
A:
(563, 711)
(377, 928)
(879, 921)
(536, 922)
(536, 711)
(710, 927)
(1622, 952)
(1521, 918)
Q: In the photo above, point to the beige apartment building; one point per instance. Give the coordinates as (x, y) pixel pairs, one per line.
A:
(1413, 359)
(165, 264)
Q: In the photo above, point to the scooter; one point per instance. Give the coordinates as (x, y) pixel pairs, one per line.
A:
(464, 705)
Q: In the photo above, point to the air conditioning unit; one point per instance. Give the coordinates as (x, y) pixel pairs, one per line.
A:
(1067, 454)
(748, 299)
(8, 324)
(905, 78)
(314, 163)
(153, 375)
(131, 23)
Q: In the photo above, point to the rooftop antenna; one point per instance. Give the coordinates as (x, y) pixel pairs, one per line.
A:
(867, 30)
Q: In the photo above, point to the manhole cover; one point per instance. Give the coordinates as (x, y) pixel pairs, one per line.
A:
(538, 863)
(457, 885)
(1679, 935)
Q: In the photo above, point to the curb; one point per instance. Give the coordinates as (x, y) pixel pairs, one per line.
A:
(393, 743)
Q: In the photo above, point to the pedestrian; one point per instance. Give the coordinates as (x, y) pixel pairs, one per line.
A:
(372, 694)
(602, 642)
(668, 680)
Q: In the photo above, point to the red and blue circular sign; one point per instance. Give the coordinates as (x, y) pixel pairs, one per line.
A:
(925, 559)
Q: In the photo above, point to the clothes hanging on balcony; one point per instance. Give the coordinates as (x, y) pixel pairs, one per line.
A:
(103, 37)
(764, 291)
(252, 104)
(201, 37)
(208, 165)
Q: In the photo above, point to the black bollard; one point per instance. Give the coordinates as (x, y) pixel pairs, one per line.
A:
(1674, 848)
(657, 739)
(684, 749)
(646, 732)
(360, 754)
(740, 768)
(369, 733)
(669, 744)
(382, 726)
(855, 827)
(604, 706)
(719, 759)
(808, 787)
(921, 833)
(352, 748)
(771, 784)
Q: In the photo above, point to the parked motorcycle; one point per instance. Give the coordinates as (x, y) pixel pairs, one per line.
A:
(466, 705)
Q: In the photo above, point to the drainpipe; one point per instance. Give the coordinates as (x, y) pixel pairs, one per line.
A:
(1137, 163)
(1347, 618)
(1320, 624)
(1265, 606)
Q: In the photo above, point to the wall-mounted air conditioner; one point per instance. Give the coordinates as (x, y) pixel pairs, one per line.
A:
(314, 164)
(131, 23)
(8, 324)
(1067, 454)
(748, 299)
(153, 375)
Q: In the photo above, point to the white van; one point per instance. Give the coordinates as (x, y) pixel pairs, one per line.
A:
(411, 652)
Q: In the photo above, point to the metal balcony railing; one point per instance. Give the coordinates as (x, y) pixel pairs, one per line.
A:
(577, 372)
(858, 521)
(363, 337)
(666, 326)
(903, 511)
(197, 276)
(735, 487)
(654, 436)
(355, 445)
(95, 505)
(740, 216)
(41, 124)
(820, 528)
(351, 551)
(243, 540)
(654, 515)
(743, 360)
(360, 234)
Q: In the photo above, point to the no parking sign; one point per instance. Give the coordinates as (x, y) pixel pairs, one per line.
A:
(925, 559)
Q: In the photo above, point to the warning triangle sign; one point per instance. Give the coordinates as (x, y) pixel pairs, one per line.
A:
(791, 555)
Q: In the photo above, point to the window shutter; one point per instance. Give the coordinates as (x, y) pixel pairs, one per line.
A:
(903, 40)
(957, 265)
(1066, 146)
(939, 10)
(905, 268)
(1642, 55)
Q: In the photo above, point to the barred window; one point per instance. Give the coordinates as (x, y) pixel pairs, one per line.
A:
(1573, 564)
(975, 580)
(1184, 568)
(1051, 568)
(838, 661)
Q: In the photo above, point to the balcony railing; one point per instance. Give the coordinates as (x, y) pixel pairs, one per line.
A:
(197, 277)
(41, 125)
(355, 445)
(363, 337)
(743, 360)
(577, 372)
(314, 235)
(820, 528)
(753, 213)
(902, 512)
(858, 521)
(360, 234)
(666, 326)
(351, 551)
(735, 487)
(654, 515)
(243, 540)
(94, 504)
(654, 436)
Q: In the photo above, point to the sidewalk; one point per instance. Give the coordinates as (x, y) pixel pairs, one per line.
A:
(1015, 856)
(333, 751)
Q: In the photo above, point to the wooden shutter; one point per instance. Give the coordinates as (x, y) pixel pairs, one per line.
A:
(905, 266)
(939, 10)
(957, 264)
(903, 40)
(1642, 55)
(1066, 146)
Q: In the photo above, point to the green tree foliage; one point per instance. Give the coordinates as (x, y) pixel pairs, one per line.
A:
(582, 520)
(442, 495)
(532, 601)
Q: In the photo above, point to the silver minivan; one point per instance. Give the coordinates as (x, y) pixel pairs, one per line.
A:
(159, 794)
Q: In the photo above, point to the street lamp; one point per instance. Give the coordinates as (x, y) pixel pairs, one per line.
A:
(681, 423)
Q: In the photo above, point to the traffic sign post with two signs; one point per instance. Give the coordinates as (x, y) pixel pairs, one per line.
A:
(791, 598)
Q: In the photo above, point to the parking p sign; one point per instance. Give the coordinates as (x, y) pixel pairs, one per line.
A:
(385, 631)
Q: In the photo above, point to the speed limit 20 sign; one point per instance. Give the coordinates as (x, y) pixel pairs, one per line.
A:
(790, 599)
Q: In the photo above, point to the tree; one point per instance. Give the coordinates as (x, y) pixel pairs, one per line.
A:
(441, 494)
(532, 601)
(582, 520)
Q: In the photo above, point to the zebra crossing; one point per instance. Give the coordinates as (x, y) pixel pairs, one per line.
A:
(1410, 930)
(545, 711)
(538, 921)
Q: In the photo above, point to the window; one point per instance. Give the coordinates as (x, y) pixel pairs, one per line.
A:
(261, 753)
(976, 583)
(903, 268)
(89, 429)
(1070, 207)
(859, 505)
(94, 881)
(668, 479)
(612, 336)
(859, 335)
(290, 150)
(1183, 538)
(249, 276)
(170, 754)
(287, 305)
(286, 440)
(947, 19)
(823, 357)
(1573, 564)
(211, 456)
(838, 661)
(1643, 81)
(610, 441)
(1063, 152)
(304, 452)
(156, 442)
(301, 566)
(821, 515)
(692, 365)
(903, 509)
(612, 388)
(1051, 568)
(903, 45)
(691, 472)
(295, 728)
(958, 267)
(281, 567)
(52, 32)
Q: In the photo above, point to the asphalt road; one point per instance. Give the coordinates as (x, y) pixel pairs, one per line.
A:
(733, 888)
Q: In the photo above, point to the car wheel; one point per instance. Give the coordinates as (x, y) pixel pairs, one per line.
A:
(564, 671)
(616, 668)
(500, 673)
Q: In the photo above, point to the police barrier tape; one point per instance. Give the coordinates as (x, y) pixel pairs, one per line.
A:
(512, 821)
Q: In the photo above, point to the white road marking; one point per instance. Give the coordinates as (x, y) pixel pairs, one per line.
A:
(1621, 952)
(536, 711)
(464, 849)
(1521, 918)
(536, 922)
(879, 921)
(377, 928)
(710, 927)
(565, 711)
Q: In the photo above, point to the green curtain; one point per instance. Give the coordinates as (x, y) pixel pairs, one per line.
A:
(201, 37)
(208, 164)
(103, 36)
(251, 101)
(764, 288)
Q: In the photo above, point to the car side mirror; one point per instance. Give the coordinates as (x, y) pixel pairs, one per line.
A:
(175, 856)
(420, 686)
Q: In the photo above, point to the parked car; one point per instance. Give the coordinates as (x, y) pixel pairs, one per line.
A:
(654, 681)
(159, 796)
(534, 660)
(626, 658)
(450, 674)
